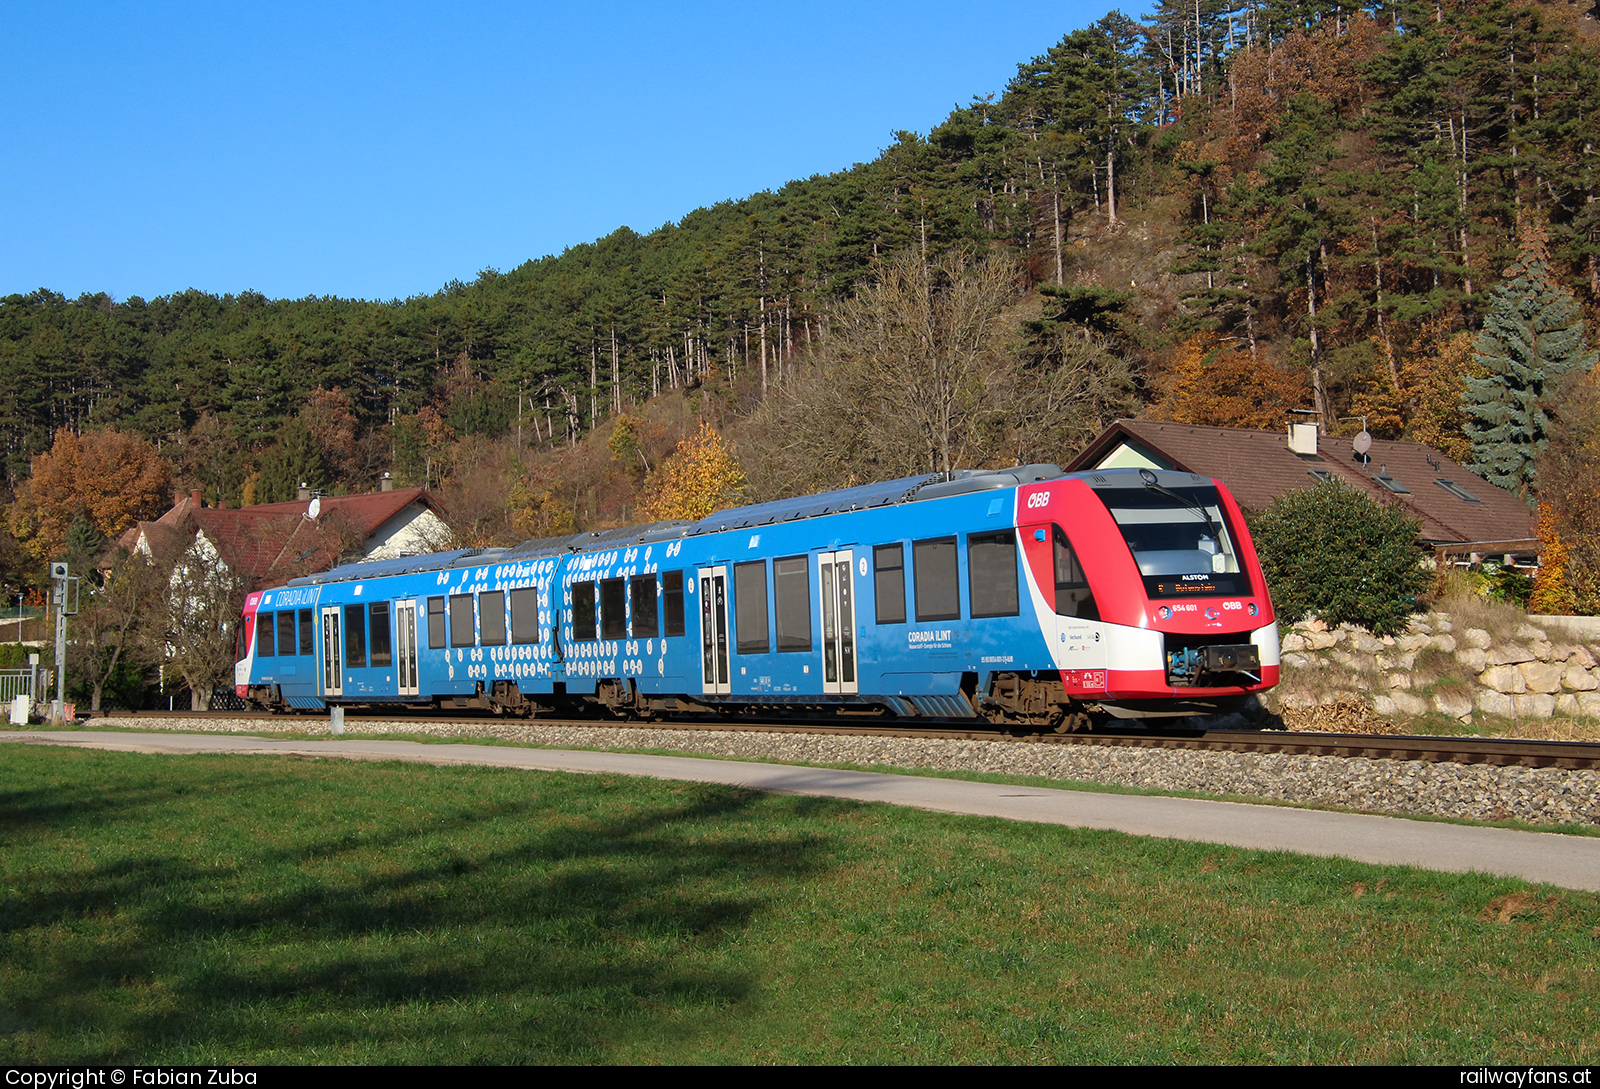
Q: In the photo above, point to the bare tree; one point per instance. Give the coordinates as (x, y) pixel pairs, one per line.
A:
(195, 622)
(928, 344)
(916, 377)
(107, 632)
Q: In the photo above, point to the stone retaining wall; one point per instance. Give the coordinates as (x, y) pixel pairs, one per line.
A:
(1438, 665)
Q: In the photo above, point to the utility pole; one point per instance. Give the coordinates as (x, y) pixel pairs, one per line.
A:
(63, 585)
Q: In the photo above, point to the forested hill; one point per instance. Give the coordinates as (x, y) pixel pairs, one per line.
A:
(1302, 205)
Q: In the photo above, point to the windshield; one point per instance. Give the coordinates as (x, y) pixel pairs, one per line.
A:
(1180, 539)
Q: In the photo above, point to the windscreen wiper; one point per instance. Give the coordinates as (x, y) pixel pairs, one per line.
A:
(1156, 486)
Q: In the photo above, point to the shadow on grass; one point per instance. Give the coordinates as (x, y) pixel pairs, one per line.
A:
(498, 930)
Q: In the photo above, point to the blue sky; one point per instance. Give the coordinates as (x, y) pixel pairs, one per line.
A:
(380, 150)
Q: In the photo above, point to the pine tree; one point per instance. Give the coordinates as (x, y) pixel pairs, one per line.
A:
(1532, 335)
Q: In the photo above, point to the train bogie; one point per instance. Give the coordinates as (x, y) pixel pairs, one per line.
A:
(1027, 597)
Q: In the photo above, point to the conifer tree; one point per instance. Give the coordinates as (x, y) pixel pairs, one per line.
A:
(1533, 334)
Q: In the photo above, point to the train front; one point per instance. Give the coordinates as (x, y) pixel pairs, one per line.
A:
(1160, 606)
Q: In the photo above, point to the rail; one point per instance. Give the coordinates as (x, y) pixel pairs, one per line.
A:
(1574, 755)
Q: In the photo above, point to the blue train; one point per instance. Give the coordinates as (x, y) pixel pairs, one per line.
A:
(1027, 597)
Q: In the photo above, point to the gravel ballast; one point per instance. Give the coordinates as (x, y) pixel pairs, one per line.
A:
(1474, 792)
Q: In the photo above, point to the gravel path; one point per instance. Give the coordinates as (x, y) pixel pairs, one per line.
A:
(1478, 791)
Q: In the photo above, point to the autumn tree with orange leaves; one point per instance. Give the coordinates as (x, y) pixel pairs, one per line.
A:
(700, 477)
(1215, 385)
(108, 478)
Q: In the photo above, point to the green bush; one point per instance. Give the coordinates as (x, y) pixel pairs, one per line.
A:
(1504, 584)
(1331, 552)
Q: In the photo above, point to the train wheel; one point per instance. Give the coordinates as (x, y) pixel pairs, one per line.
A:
(1073, 722)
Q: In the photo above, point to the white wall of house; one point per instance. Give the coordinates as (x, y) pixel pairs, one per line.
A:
(413, 531)
(1132, 455)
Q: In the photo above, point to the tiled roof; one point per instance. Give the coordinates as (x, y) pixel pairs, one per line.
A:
(273, 542)
(1258, 467)
(365, 512)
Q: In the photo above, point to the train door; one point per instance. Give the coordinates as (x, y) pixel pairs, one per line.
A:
(405, 659)
(714, 672)
(332, 658)
(837, 586)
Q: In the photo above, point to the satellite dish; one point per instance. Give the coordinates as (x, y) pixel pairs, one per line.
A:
(314, 509)
(1361, 443)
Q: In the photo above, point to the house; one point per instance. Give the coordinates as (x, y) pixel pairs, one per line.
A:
(269, 543)
(1462, 515)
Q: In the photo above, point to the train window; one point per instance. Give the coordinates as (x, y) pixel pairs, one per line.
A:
(462, 630)
(380, 634)
(492, 618)
(525, 615)
(992, 573)
(308, 632)
(889, 580)
(264, 635)
(642, 589)
(1180, 539)
(435, 623)
(286, 632)
(937, 587)
(1073, 596)
(791, 595)
(613, 609)
(672, 603)
(583, 611)
(355, 636)
(750, 604)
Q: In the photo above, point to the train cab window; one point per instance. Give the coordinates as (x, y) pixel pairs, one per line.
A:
(1073, 596)
(889, 583)
(286, 632)
(379, 613)
(463, 631)
(1179, 537)
(355, 636)
(672, 603)
(264, 635)
(583, 612)
(791, 596)
(992, 573)
(435, 623)
(613, 609)
(525, 615)
(492, 618)
(750, 605)
(642, 591)
(937, 586)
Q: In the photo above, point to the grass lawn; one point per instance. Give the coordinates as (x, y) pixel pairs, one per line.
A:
(258, 909)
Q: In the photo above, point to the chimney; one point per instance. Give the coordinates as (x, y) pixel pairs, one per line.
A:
(1303, 438)
(386, 484)
(304, 492)
(196, 498)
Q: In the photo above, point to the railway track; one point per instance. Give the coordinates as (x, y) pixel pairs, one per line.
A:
(1502, 752)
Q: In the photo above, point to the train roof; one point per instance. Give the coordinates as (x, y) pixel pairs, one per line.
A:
(910, 489)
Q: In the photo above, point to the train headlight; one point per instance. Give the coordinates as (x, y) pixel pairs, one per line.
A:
(1165, 612)
(1252, 608)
